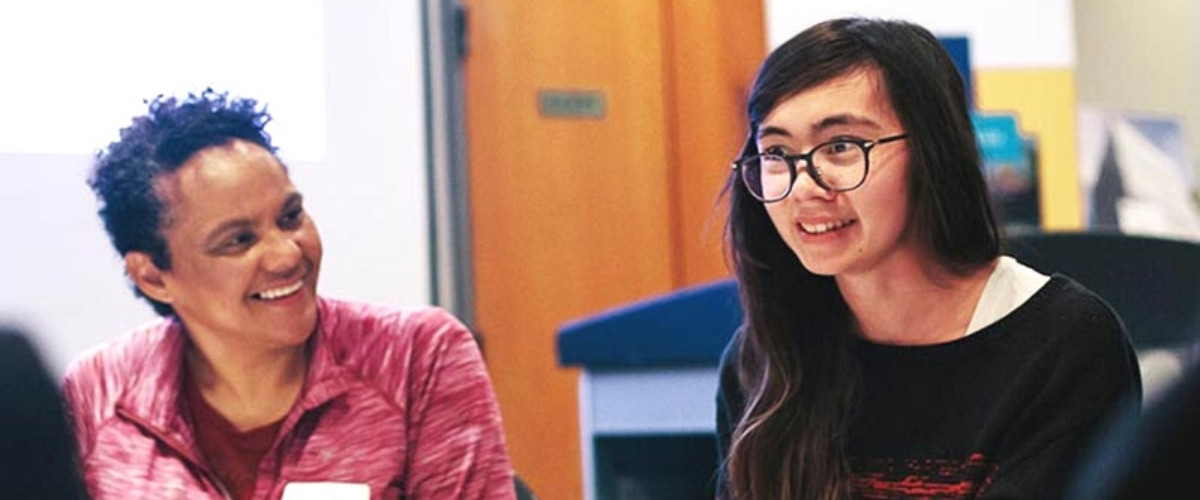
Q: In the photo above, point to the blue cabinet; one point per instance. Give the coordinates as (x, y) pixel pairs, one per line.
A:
(647, 405)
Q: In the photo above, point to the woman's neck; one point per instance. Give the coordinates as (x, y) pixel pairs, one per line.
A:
(913, 303)
(250, 388)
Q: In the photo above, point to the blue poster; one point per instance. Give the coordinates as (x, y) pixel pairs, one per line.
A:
(1009, 167)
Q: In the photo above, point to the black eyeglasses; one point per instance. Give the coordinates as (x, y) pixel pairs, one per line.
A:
(838, 165)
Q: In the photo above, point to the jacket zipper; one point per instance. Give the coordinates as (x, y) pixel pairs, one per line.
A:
(179, 448)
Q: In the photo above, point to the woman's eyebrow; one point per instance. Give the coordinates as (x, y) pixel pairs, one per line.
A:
(843, 119)
(824, 124)
(771, 130)
(212, 237)
(293, 199)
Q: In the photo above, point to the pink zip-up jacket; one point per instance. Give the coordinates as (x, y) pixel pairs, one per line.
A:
(397, 399)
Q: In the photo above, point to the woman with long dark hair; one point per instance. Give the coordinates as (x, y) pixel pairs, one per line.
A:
(889, 348)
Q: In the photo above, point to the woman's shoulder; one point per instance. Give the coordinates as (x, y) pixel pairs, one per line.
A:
(1074, 326)
(1062, 323)
(372, 333)
(386, 322)
(126, 355)
(394, 349)
(1067, 303)
(139, 362)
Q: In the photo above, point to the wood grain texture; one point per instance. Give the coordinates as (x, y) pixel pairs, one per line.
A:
(574, 216)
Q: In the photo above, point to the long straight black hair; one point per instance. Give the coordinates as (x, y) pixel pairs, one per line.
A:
(796, 358)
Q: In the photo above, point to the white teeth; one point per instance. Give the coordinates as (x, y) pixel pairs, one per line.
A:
(825, 227)
(276, 293)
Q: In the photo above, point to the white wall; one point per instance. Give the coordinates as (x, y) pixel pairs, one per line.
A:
(343, 81)
(1003, 33)
(1142, 56)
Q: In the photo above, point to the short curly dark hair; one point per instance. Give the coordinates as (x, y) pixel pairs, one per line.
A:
(158, 143)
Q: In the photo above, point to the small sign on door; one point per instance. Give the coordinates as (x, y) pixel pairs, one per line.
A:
(585, 104)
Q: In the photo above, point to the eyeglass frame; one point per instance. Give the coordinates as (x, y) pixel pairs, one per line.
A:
(865, 145)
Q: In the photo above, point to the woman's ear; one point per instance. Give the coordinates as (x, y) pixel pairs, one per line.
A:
(146, 276)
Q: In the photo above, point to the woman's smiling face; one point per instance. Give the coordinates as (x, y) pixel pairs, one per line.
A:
(849, 232)
(245, 256)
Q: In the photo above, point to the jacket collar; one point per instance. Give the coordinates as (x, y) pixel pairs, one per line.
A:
(327, 377)
(154, 397)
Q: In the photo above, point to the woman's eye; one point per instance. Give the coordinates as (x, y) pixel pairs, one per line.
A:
(291, 219)
(775, 150)
(239, 240)
(839, 147)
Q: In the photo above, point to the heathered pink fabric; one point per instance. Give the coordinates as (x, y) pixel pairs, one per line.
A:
(396, 398)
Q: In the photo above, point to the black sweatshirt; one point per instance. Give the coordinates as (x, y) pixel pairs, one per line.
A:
(1006, 412)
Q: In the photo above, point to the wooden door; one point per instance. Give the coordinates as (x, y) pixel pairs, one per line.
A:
(571, 216)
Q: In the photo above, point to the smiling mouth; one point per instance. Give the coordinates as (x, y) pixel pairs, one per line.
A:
(825, 227)
(279, 293)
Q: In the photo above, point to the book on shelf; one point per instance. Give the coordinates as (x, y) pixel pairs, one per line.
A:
(1009, 162)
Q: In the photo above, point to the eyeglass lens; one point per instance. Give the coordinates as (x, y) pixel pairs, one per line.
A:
(840, 165)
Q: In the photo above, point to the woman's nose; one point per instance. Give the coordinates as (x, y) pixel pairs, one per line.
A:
(283, 253)
(806, 185)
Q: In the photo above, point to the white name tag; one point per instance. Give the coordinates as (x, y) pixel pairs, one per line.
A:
(326, 491)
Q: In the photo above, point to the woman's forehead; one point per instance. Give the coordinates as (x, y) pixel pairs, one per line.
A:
(857, 98)
(220, 180)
